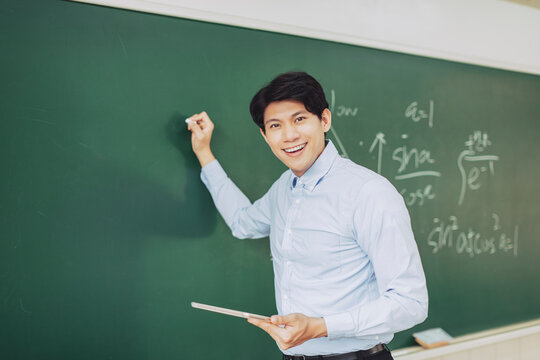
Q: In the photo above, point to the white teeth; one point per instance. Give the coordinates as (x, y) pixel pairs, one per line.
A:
(296, 148)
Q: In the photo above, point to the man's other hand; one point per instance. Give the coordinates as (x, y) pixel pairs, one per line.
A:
(293, 329)
(201, 128)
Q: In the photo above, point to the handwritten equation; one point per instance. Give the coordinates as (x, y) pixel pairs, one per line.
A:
(450, 235)
(412, 162)
(473, 162)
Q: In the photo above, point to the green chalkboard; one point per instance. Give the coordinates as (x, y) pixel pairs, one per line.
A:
(107, 233)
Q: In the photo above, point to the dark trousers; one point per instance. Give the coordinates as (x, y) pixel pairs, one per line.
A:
(381, 355)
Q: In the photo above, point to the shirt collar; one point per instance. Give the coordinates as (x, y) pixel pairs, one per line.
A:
(313, 176)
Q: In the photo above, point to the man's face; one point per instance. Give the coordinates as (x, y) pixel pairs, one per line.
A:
(295, 135)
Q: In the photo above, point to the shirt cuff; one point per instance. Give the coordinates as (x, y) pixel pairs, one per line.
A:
(339, 325)
(212, 174)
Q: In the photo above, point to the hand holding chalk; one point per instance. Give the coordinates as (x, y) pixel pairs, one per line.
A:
(201, 128)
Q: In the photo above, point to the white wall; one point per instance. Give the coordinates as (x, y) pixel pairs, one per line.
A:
(494, 33)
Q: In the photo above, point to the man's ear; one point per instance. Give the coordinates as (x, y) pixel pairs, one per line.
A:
(263, 135)
(326, 119)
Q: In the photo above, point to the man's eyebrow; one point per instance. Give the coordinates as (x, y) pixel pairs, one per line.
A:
(270, 120)
(298, 113)
(293, 115)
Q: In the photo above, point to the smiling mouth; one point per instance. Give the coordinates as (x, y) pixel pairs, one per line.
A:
(295, 149)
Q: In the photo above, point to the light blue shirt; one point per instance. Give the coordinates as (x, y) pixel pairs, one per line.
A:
(342, 249)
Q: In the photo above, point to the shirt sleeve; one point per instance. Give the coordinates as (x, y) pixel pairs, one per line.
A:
(245, 220)
(382, 227)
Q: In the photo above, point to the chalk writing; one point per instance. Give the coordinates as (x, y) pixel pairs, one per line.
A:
(346, 111)
(470, 178)
(418, 196)
(404, 157)
(449, 235)
(415, 114)
(333, 130)
(417, 174)
(341, 110)
(340, 144)
(413, 157)
(379, 140)
(478, 141)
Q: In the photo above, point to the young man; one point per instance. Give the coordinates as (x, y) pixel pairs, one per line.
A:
(346, 267)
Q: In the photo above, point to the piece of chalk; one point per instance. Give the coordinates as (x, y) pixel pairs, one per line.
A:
(188, 120)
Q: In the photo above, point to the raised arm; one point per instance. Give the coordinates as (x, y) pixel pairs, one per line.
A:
(246, 220)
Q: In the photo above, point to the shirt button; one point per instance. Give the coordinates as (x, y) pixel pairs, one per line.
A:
(289, 231)
(285, 297)
(288, 263)
(297, 201)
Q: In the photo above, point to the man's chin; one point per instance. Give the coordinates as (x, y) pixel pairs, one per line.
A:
(299, 171)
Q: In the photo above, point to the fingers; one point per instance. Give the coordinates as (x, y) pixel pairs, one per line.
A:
(202, 120)
(289, 330)
(282, 336)
(286, 320)
(194, 128)
(270, 328)
(278, 320)
(265, 325)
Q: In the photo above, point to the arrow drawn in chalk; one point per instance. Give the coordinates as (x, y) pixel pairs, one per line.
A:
(342, 148)
(379, 139)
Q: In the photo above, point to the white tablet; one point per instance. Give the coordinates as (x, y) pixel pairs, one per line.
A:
(229, 311)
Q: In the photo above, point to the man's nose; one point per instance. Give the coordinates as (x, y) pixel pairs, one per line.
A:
(290, 133)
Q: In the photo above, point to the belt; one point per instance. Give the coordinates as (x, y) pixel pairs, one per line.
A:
(348, 356)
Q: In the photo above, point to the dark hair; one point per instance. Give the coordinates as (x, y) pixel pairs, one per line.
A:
(297, 86)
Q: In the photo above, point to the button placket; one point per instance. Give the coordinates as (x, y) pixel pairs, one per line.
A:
(292, 212)
(287, 245)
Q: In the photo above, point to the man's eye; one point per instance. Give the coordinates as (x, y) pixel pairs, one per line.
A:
(274, 126)
(300, 118)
